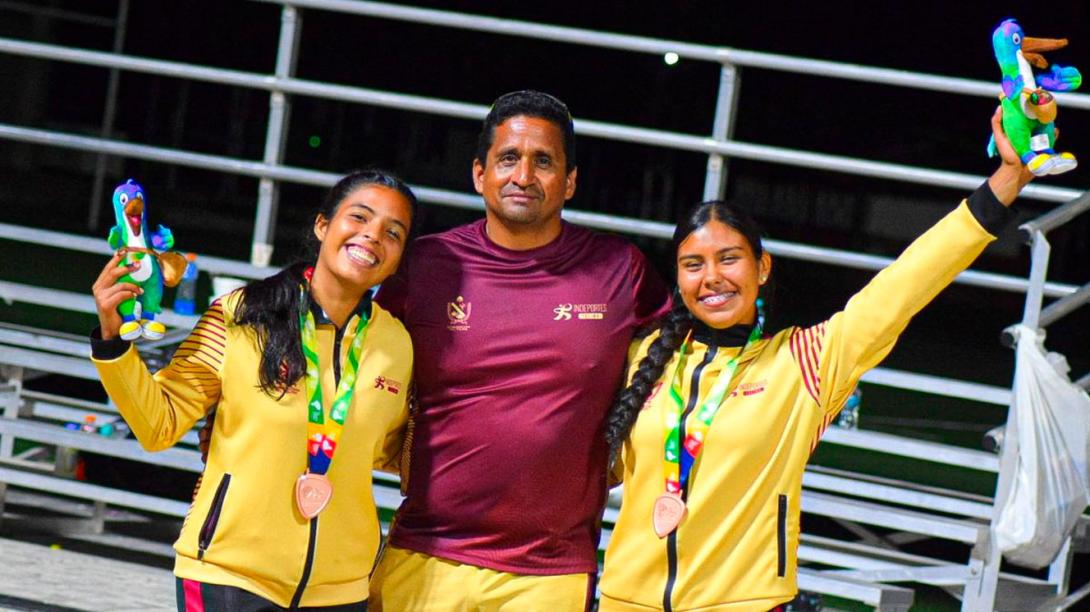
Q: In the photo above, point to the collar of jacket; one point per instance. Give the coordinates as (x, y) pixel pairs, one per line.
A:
(735, 335)
(320, 318)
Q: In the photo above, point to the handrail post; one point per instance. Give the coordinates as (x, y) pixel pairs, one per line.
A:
(726, 109)
(984, 599)
(109, 114)
(11, 385)
(268, 191)
(1039, 252)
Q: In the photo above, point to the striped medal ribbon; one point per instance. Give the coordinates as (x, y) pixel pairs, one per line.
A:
(313, 489)
(670, 508)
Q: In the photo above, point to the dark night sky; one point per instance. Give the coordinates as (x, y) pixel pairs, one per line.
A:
(213, 212)
(797, 111)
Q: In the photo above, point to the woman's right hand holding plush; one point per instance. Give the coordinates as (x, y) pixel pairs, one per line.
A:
(109, 293)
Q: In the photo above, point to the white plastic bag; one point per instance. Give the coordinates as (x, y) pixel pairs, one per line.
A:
(1050, 432)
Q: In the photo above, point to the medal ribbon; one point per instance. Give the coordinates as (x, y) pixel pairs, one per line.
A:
(322, 433)
(679, 458)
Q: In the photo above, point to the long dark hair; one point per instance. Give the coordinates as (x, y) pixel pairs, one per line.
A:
(677, 324)
(271, 306)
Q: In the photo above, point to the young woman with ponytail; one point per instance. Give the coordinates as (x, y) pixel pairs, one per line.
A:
(713, 432)
(310, 380)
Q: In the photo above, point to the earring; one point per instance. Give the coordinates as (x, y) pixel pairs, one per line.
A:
(760, 313)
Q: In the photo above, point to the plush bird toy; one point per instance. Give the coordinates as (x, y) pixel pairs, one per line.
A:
(130, 236)
(1028, 109)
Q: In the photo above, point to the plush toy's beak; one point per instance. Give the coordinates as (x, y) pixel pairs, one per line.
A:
(134, 211)
(1032, 48)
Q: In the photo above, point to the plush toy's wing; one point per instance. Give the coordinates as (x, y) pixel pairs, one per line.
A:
(115, 238)
(1012, 87)
(1061, 78)
(164, 238)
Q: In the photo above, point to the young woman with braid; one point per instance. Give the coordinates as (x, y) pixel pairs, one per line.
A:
(303, 369)
(713, 432)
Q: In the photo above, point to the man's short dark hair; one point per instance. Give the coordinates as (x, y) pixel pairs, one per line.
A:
(528, 103)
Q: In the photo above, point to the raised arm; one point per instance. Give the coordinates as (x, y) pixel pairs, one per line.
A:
(834, 354)
(160, 409)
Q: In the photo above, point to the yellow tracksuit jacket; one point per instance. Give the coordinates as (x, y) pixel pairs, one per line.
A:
(736, 549)
(243, 528)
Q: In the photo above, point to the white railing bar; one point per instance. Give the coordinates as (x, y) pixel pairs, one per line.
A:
(880, 376)
(864, 261)
(226, 76)
(39, 396)
(904, 520)
(646, 136)
(1084, 382)
(896, 494)
(640, 227)
(74, 242)
(1057, 216)
(912, 448)
(525, 29)
(881, 596)
(643, 44)
(177, 458)
(1064, 306)
(937, 576)
(64, 346)
(78, 302)
(924, 383)
(808, 159)
(84, 490)
(48, 362)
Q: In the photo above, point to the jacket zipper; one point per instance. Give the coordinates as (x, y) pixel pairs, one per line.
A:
(312, 540)
(208, 529)
(671, 540)
(781, 537)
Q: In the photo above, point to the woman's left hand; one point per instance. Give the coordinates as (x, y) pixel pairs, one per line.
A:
(1012, 175)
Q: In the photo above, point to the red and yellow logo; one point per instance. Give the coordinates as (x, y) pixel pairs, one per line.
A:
(458, 313)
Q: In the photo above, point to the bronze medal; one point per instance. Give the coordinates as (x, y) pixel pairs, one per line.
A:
(667, 515)
(312, 494)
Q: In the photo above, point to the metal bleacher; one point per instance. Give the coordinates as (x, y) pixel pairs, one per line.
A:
(883, 514)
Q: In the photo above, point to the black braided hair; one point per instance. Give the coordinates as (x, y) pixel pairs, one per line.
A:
(675, 327)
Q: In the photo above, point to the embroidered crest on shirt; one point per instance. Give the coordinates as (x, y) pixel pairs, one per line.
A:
(458, 313)
(564, 312)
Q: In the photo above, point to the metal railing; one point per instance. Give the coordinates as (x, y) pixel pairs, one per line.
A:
(718, 145)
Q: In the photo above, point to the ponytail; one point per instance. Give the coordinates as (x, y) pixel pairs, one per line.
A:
(271, 307)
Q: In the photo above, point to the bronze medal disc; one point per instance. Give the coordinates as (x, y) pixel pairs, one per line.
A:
(667, 515)
(312, 494)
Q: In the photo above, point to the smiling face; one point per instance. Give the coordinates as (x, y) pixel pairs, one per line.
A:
(719, 276)
(523, 177)
(363, 242)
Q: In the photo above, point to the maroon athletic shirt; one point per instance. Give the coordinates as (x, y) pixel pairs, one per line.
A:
(518, 357)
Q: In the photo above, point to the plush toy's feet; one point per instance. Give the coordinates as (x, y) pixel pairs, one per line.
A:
(1042, 164)
(130, 330)
(1065, 162)
(153, 330)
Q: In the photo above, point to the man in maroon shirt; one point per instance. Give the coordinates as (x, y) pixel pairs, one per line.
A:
(520, 325)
